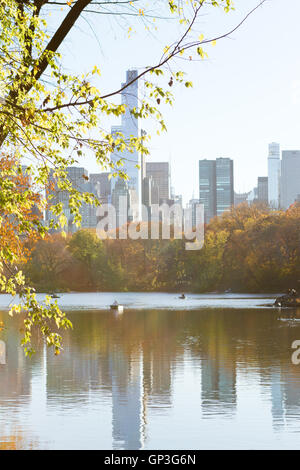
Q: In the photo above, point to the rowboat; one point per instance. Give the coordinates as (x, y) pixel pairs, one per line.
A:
(116, 306)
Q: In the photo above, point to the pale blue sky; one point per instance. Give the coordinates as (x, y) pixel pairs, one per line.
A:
(245, 95)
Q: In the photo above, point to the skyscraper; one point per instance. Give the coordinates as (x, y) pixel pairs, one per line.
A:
(207, 188)
(150, 195)
(240, 198)
(216, 191)
(262, 189)
(252, 196)
(102, 184)
(192, 206)
(78, 176)
(274, 170)
(160, 174)
(290, 177)
(120, 199)
(224, 185)
(130, 128)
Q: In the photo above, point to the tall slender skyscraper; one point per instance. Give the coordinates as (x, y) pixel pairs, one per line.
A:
(130, 128)
(274, 171)
(290, 177)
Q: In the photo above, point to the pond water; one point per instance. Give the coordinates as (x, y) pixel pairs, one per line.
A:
(215, 374)
(157, 300)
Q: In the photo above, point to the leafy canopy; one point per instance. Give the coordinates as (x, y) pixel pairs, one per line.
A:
(50, 118)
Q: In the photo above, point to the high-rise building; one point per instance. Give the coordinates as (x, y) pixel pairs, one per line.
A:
(150, 197)
(207, 188)
(224, 185)
(240, 198)
(192, 207)
(147, 191)
(78, 176)
(130, 128)
(262, 189)
(274, 170)
(120, 199)
(160, 174)
(177, 199)
(102, 184)
(87, 211)
(252, 196)
(290, 177)
(216, 191)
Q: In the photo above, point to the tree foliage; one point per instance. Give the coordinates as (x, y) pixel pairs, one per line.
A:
(50, 118)
(249, 249)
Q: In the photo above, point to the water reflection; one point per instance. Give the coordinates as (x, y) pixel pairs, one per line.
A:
(156, 379)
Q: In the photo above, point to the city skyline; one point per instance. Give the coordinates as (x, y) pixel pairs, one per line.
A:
(241, 99)
(216, 183)
(150, 213)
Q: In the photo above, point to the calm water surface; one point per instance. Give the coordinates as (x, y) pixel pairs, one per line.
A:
(204, 377)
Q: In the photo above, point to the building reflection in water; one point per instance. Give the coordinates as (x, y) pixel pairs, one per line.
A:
(17, 392)
(218, 388)
(277, 396)
(131, 365)
(15, 377)
(128, 413)
(285, 393)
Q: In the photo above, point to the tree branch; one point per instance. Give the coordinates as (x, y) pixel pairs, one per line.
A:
(61, 34)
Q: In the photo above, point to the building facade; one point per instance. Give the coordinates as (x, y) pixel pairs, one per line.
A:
(216, 188)
(262, 189)
(240, 198)
(129, 128)
(191, 208)
(252, 196)
(207, 188)
(290, 177)
(102, 185)
(274, 171)
(78, 177)
(159, 172)
(120, 199)
(224, 185)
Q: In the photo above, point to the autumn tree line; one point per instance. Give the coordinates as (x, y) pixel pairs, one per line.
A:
(249, 249)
